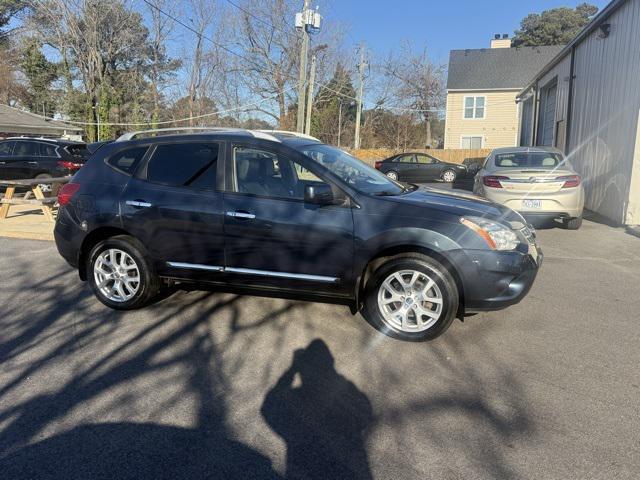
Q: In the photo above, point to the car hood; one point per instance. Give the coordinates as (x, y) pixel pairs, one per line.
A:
(457, 203)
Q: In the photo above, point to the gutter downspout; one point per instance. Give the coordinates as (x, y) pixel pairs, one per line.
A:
(567, 134)
(536, 114)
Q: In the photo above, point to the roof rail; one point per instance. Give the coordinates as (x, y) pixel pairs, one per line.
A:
(292, 134)
(256, 133)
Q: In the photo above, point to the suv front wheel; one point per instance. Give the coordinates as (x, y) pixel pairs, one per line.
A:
(120, 275)
(412, 297)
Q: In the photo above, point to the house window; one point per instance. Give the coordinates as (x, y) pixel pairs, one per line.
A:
(474, 107)
(471, 142)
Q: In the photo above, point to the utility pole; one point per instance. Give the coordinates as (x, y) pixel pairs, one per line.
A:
(312, 79)
(304, 49)
(362, 65)
(339, 120)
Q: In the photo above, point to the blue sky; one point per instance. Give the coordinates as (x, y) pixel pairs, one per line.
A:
(439, 25)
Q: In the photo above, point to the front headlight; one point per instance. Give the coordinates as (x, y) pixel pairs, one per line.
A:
(497, 236)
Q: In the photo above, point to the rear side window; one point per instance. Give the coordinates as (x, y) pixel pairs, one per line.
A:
(47, 150)
(6, 148)
(127, 160)
(26, 149)
(184, 165)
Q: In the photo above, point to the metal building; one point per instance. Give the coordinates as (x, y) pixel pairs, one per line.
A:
(586, 102)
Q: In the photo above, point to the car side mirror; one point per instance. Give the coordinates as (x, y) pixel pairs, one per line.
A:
(319, 194)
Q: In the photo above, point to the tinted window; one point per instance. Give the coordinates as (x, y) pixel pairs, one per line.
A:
(47, 150)
(184, 164)
(6, 148)
(128, 160)
(78, 151)
(407, 159)
(26, 149)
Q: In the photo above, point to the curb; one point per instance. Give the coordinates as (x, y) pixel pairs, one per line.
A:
(634, 230)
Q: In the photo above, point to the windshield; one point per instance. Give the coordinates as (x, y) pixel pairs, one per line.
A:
(353, 171)
(528, 160)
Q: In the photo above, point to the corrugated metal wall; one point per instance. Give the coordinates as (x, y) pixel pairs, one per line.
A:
(606, 101)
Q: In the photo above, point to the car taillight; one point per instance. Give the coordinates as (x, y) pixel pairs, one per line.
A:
(378, 165)
(493, 181)
(67, 192)
(69, 165)
(570, 181)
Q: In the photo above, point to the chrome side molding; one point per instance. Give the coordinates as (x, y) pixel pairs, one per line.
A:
(250, 271)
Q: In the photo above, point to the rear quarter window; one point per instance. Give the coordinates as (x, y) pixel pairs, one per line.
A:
(127, 160)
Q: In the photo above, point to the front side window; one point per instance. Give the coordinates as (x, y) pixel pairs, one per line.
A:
(352, 171)
(474, 107)
(471, 143)
(269, 174)
(184, 165)
(127, 160)
(6, 148)
(26, 149)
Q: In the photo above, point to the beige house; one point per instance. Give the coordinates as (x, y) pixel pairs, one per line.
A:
(482, 86)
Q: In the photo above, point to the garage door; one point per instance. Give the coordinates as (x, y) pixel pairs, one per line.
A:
(547, 116)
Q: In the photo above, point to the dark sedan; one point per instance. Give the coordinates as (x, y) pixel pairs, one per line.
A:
(420, 167)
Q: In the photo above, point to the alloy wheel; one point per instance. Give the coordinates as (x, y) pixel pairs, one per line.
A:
(410, 301)
(392, 175)
(117, 275)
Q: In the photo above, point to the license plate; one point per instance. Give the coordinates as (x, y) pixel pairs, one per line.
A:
(531, 204)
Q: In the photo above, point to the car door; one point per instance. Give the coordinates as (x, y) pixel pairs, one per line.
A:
(7, 171)
(407, 166)
(174, 206)
(429, 168)
(272, 237)
(26, 156)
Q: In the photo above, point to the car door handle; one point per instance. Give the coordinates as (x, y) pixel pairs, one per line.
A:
(241, 214)
(138, 203)
(3, 163)
(33, 163)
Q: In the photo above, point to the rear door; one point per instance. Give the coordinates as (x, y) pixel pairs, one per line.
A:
(26, 159)
(174, 206)
(407, 167)
(274, 238)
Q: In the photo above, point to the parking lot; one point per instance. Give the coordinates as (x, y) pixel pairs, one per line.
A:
(199, 384)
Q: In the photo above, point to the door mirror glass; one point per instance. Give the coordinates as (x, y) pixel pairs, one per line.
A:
(319, 194)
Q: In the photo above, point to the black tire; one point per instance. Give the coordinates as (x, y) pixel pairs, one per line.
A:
(572, 223)
(453, 172)
(439, 273)
(149, 286)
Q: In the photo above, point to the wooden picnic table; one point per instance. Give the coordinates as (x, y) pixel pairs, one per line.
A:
(44, 203)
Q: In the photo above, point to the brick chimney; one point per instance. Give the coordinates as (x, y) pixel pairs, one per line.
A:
(504, 42)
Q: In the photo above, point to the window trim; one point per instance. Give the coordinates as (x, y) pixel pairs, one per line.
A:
(475, 107)
(482, 141)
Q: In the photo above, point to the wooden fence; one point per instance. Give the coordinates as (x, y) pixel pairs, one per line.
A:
(453, 155)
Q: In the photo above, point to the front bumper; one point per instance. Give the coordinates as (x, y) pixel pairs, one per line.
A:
(493, 280)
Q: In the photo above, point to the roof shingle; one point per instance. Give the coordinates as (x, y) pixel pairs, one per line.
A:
(494, 68)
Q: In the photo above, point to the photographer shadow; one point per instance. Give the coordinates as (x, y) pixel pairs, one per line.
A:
(322, 417)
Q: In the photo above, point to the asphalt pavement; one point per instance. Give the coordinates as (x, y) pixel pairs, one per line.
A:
(209, 385)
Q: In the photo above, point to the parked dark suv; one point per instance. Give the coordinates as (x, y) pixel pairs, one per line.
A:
(44, 158)
(285, 214)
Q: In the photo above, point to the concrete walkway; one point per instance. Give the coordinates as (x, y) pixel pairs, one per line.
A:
(26, 221)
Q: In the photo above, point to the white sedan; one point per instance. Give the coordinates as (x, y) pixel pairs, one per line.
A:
(535, 181)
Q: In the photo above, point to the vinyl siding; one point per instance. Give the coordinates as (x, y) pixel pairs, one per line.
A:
(499, 127)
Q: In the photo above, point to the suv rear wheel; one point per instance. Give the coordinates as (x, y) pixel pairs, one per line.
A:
(120, 275)
(412, 297)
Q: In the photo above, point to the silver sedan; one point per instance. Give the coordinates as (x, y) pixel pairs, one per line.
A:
(535, 181)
